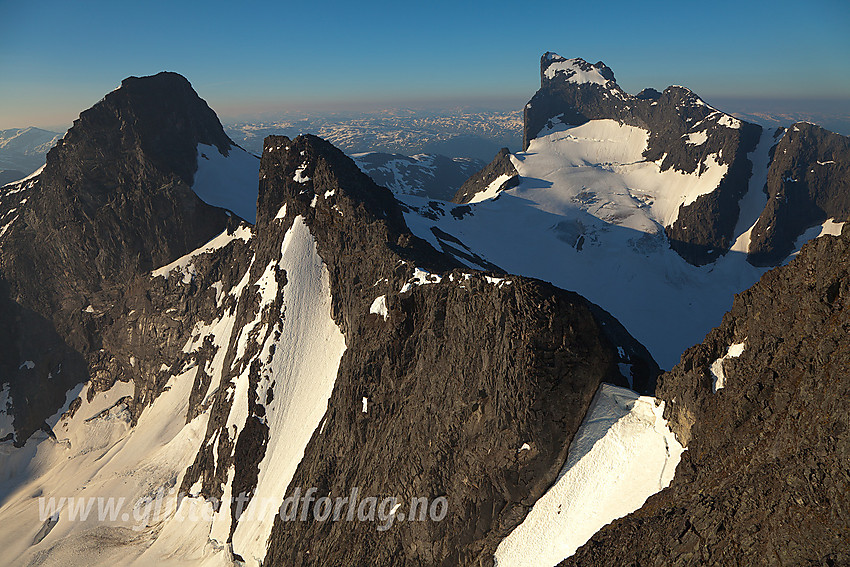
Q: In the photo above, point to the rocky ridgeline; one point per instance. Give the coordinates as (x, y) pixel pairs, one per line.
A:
(485, 366)
(500, 168)
(463, 370)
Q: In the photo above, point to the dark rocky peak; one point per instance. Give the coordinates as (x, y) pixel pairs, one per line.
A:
(808, 183)
(575, 90)
(683, 94)
(114, 199)
(687, 106)
(113, 202)
(648, 94)
(297, 170)
(578, 91)
(358, 225)
(160, 115)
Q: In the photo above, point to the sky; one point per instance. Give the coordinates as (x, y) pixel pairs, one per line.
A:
(58, 58)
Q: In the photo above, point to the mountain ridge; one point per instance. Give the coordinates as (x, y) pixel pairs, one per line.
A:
(258, 335)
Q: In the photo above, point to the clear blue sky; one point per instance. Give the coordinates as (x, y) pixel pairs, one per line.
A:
(58, 57)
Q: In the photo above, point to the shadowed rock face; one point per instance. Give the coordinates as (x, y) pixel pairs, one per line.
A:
(113, 202)
(764, 479)
(114, 199)
(808, 183)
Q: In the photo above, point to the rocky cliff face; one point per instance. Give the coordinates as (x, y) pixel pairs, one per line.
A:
(131, 156)
(808, 184)
(764, 479)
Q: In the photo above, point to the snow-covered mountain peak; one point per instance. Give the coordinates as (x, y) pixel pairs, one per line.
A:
(576, 70)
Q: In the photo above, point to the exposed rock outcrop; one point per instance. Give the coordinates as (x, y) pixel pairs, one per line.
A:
(500, 171)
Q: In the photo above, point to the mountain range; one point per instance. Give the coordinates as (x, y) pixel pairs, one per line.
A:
(459, 132)
(181, 318)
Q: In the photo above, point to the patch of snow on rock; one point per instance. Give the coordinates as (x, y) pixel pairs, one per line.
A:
(303, 367)
(379, 307)
(420, 277)
(184, 265)
(299, 176)
(716, 369)
(492, 190)
(573, 72)
(696, 138)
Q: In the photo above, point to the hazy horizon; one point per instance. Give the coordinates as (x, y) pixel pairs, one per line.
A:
(832, 114)
(59, 58)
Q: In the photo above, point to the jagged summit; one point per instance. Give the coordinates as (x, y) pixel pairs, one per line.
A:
(307, 163)
(554, 67)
